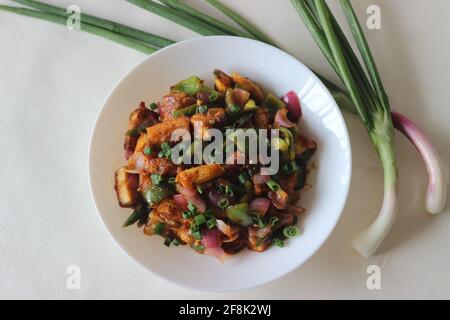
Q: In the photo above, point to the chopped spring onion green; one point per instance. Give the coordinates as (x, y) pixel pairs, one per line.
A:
(289, 167)
(199, 248)
(202, 109)
(192, 208)
(167, 241)
(223, 203)
(229, 190)
(211, 223)
(273, 185)
(159, 228)
(148, 151)
(243, 177)
(273, 221)
(186, 214)
(291, 231)
(200, 219)
(175, 242)
(153, 106)
(197, 235)
(278, 242)
(156, 178)
(200, 189)
(172, 180)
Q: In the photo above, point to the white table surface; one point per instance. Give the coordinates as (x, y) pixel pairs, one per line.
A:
(52, 85)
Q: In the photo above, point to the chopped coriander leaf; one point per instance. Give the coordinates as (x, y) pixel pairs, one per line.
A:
(278, 242)
(197, 235)
(148, 151)
(167, 241)
(211, 223)
(223, 203)
(291, 231)
(199, 248)
(156, 178)
(200, 219)
(175, 242)
(153, 106)
(159, 228)
(273, 221)
(273, 185)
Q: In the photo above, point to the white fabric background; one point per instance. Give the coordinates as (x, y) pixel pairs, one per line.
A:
(53, 83)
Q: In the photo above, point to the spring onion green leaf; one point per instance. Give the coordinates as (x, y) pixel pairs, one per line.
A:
(178, 17)
(154, 40)
(200, 16)
(116, 37)
(241, 21)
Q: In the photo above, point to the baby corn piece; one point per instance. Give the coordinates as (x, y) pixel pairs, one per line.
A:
(198, 175)
(162, 132)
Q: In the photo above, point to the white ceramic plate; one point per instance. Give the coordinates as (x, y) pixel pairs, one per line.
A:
(275, 71)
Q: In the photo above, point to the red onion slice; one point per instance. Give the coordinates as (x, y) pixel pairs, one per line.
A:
(181, 201)
(260, 205)
(282, 119)
(212, 238)
(186, 192)
(197, 201)
(293, 104)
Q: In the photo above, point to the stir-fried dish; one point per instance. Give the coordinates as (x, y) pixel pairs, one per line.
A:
(217, 209)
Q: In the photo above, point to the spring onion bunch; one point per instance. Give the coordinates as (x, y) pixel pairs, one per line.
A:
(369, 98)
(366, 98)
